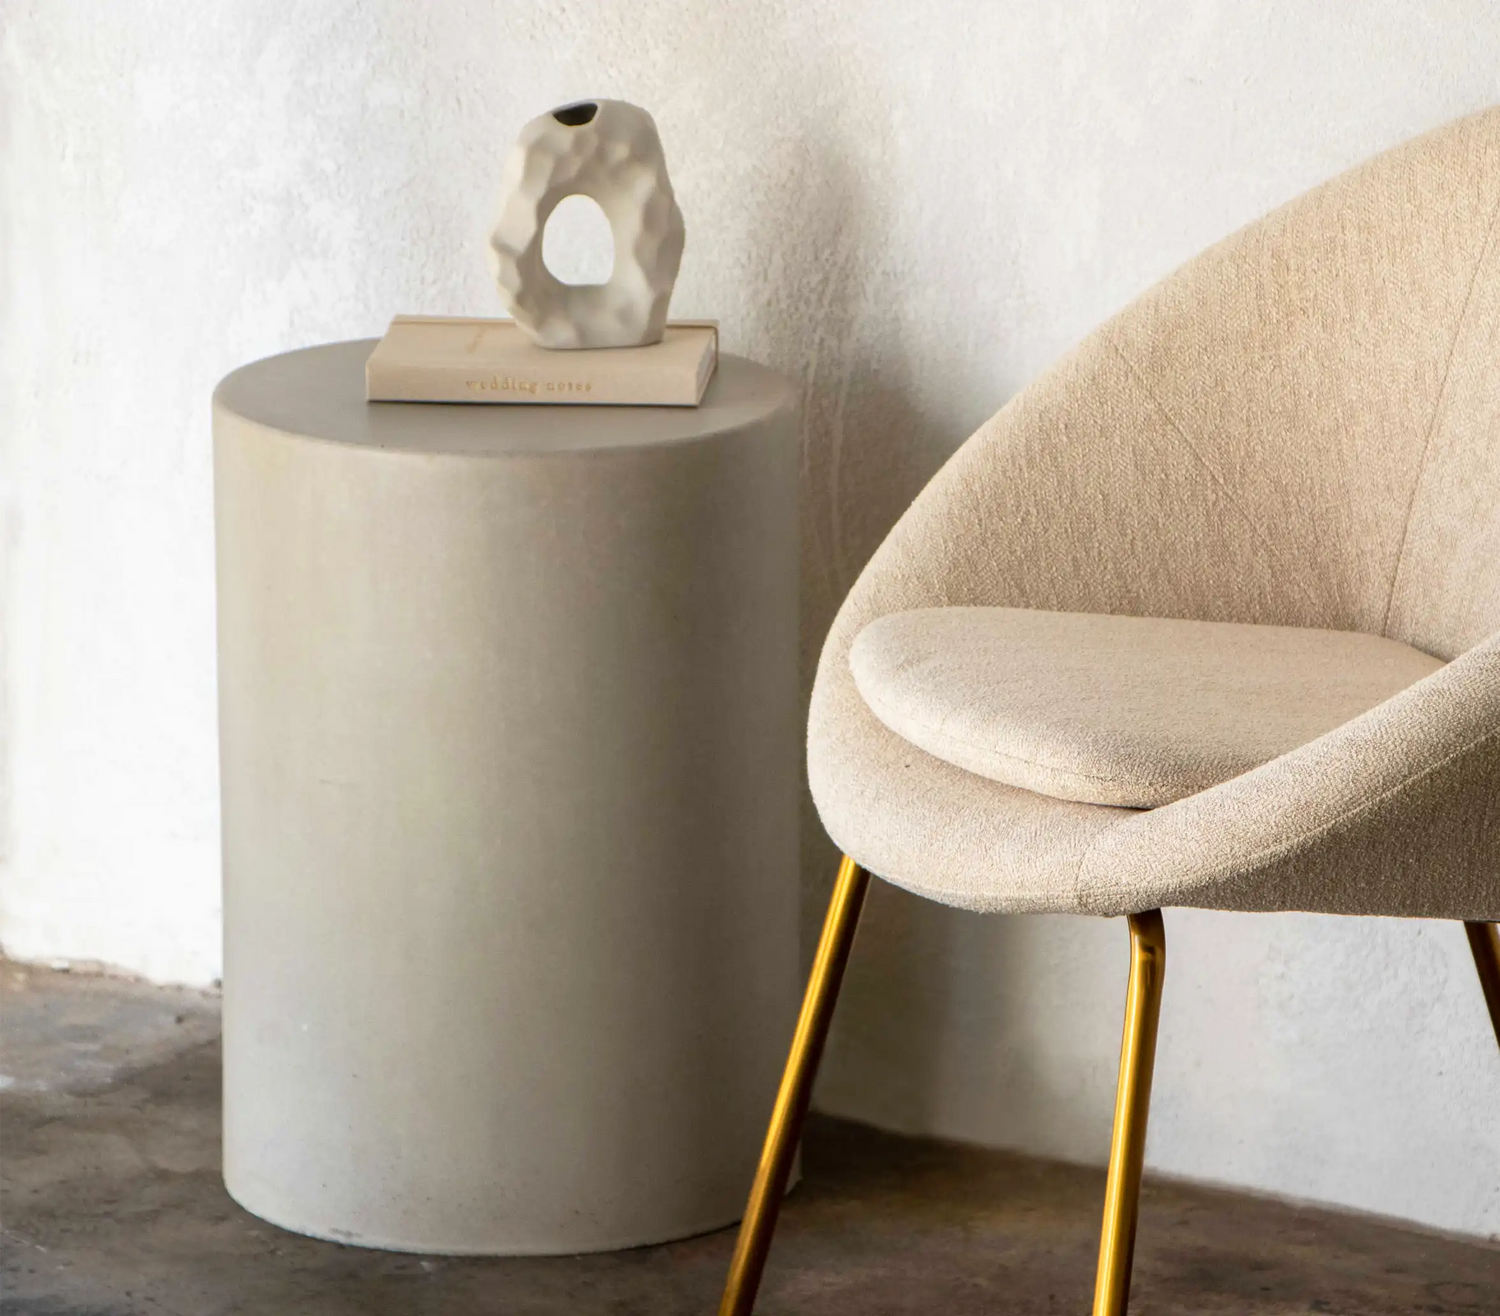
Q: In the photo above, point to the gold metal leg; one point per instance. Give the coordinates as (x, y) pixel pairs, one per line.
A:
(1484, 941)
(796, 1088)
(1148, 964)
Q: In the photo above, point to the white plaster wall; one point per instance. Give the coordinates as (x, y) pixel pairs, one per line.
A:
(914, 208)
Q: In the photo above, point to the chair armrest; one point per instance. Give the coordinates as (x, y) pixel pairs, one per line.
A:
(1396, 812)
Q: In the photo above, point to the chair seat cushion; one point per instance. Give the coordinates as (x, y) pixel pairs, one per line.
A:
(1133, 711)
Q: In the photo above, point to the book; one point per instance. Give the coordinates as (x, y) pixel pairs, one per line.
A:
(441, 358)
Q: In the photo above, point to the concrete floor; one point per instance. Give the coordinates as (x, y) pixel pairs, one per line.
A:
(112, 1204)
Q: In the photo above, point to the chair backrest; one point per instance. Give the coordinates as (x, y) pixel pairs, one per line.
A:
(1299, 426)
(1445, 590)
(1336, 368)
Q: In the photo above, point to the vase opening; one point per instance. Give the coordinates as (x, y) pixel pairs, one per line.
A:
(574, 115)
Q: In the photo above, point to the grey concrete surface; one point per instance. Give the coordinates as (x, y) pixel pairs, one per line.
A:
(112, 1205)
(574, 880)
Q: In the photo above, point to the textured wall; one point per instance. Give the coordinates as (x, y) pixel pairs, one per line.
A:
(913, 209)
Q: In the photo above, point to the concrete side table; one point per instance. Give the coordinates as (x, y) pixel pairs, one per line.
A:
(510, 750)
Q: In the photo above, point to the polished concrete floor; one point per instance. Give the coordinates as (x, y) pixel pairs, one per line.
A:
(112, 1204)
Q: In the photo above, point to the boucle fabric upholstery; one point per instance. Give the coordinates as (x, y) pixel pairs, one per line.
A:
(1301, 427)
(1105, 709)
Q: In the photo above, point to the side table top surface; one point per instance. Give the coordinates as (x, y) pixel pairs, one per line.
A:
(319, 393)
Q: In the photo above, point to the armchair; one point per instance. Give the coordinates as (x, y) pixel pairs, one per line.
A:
(1208, 615)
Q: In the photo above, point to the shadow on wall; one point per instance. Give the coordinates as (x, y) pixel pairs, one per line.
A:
(868, 447)
(10, 504)
(10, 540)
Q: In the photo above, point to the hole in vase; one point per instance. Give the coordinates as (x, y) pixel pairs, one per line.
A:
(580, 112)
(577, 244)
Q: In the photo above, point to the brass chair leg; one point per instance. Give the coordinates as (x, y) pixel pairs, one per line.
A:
(796, 1088)
(1148, 963)
(1484, 941)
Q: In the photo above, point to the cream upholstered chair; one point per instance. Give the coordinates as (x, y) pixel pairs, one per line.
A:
(1209, 615)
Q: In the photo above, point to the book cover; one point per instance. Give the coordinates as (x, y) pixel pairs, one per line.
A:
(432, 358)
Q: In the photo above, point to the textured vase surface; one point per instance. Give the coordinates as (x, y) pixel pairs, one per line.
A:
(608, 151)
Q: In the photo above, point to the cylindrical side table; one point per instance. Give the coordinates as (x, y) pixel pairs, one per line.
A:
(510, 751)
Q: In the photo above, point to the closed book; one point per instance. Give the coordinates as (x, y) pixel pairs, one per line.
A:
(437, 358)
